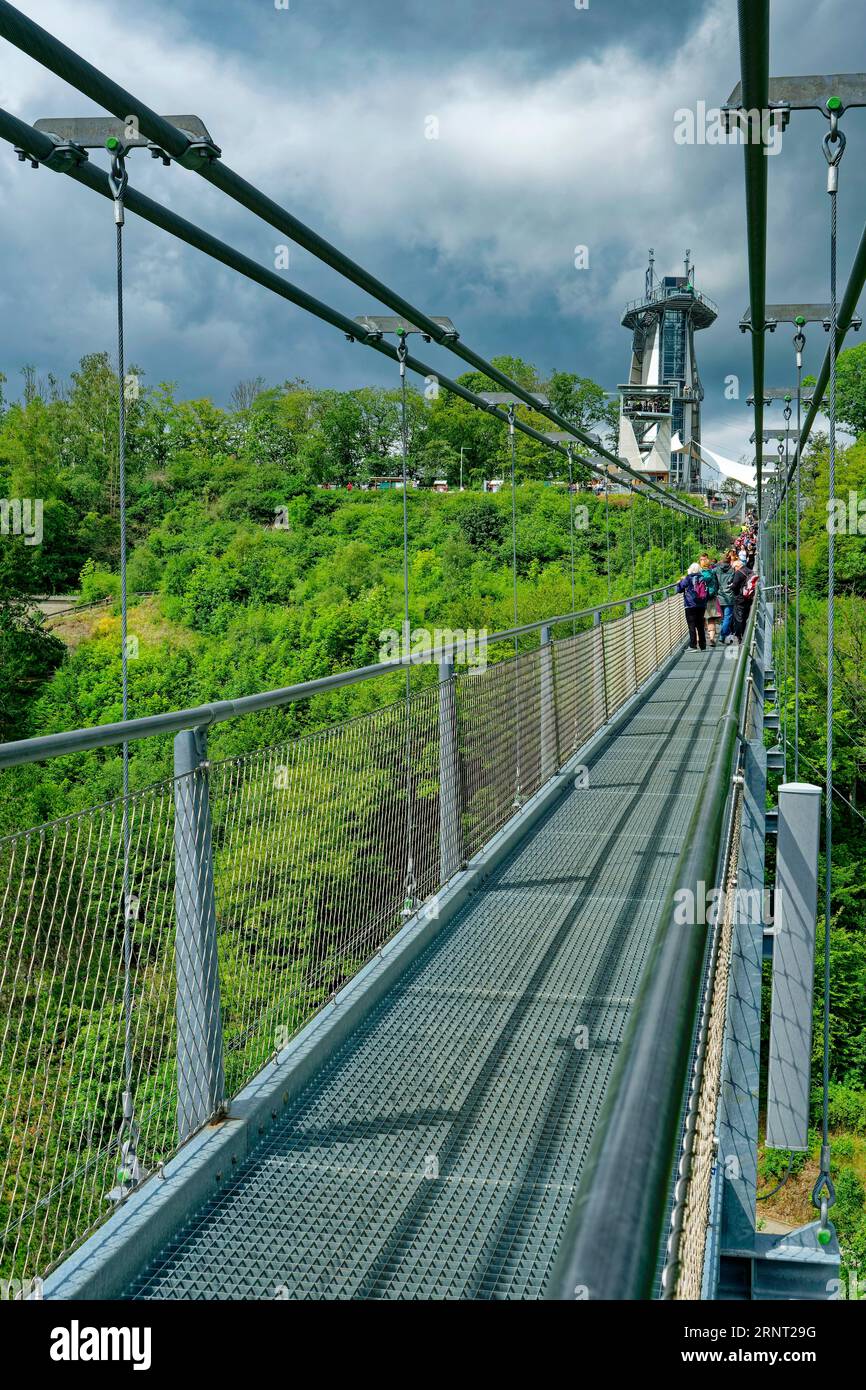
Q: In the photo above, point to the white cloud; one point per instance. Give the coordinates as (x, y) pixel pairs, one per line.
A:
(529, 164)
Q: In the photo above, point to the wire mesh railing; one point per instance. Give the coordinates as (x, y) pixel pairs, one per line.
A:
(140, 992)
(64, 1029)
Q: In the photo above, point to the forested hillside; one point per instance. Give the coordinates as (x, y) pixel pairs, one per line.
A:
(848, 927)
(258, 575)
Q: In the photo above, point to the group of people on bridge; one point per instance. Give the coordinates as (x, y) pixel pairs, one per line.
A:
(717, 595)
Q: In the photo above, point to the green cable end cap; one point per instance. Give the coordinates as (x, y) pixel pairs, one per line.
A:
(824, 1237)
(834, 103)
(112, 143)
(799, 321)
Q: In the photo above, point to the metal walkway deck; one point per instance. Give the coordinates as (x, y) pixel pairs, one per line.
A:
(437, 1154)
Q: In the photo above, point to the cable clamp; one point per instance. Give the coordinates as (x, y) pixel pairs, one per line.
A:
(824, 1197)
(118, 179)
(65, 155)
(196, 153)
(834, 147)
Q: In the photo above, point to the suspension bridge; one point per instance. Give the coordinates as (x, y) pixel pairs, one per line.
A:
(407, 1008)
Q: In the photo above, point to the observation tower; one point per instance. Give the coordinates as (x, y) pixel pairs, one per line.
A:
(660, 404)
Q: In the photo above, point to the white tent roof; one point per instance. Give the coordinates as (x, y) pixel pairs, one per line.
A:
(740, 472)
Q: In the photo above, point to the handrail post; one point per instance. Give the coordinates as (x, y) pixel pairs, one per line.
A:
(200, 1066)
(450, 828)
(548, 708)
(652, 599)
(794, 927)
(669, 613)
(602, 691)
(629, 612)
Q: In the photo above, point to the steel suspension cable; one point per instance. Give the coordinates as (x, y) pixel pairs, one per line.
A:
(607, 531)
(823, 1194)
(128, 1172)
(799, 345)
(754, 34)
(63, 61)
(44, 151)
(518, 797)
(569, 452)
(787, 418)
(410, 902)
(631, 537)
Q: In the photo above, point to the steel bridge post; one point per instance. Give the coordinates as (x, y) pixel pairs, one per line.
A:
(629, 612)
(601, 681)
(794, 922)
(652, 599)
(200, 1066)
(450, 833)
(548, 708)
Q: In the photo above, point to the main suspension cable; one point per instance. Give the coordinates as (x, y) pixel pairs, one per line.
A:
(606, 531)
(129, 1171)
(569, 452)
(823, 1193)
(799, 345)
(518, 796)
(410, 900)
(787, 419)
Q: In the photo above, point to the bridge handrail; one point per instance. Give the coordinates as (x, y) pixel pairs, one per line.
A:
(30, 750)
(178, 934)
(611, 1245)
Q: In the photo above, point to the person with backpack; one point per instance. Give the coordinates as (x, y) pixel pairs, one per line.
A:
(693, 588)
(712, 612)
(726, 599)
(743, 589)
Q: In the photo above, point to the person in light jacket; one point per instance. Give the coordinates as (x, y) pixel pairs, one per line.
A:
(726, 594)
(712, 612)
(694, 592)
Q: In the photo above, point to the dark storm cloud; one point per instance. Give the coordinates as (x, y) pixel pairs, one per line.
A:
(555, 129)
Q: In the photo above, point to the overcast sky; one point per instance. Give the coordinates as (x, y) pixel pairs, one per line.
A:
(555, 130)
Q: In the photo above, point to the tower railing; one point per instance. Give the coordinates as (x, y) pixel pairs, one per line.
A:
(138, 1000)
(664, 292)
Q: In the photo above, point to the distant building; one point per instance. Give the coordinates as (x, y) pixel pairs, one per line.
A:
(384, 484)
(660, 404)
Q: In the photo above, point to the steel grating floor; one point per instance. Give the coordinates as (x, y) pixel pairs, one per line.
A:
(471, 1065)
